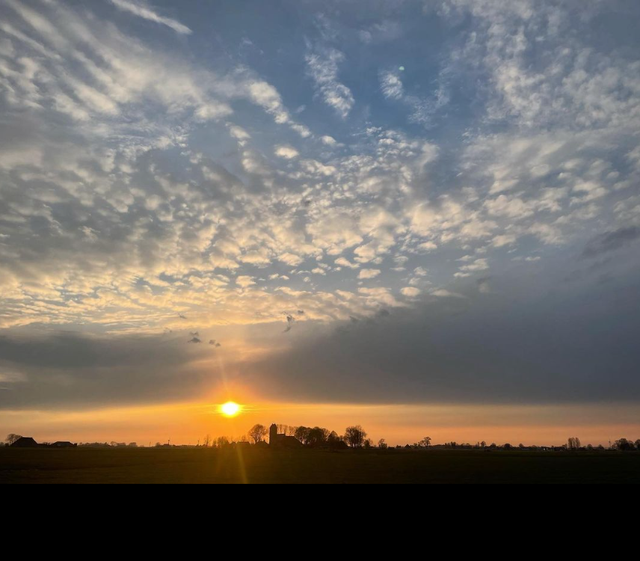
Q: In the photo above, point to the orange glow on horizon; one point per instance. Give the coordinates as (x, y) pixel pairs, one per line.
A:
(189, 423)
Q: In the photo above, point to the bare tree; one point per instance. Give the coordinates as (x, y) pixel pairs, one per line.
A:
(382, 444)
(355, 436)
(207, 441)
(426, 442)
(574, 444)
(258, 434)
(12, 439)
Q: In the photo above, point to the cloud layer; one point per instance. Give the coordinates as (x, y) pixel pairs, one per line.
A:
(363, 166)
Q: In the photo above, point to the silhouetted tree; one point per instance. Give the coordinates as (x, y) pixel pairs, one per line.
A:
(12, 439)
(303, 435)
(334, 441)
(317, 437)
(355, 436)
(426, 442)
(637, 444)
(574, 444)
(258, 433)
(508, 447)
(382, 444)
(222, 442)
(623, 445)
(287, 430)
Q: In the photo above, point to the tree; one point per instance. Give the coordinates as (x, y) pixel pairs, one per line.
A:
(287, 430)
(574, 444)
(303, 435)
(355, 436)
(383, 444)
(623, 445)
(258, 433)
(334, 441)
(12, 439)
(426, 442)
(222, 442)
(317, 437)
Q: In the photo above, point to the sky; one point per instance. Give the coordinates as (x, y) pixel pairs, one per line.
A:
(422, 216)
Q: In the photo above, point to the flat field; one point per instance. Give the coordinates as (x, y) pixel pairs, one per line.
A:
(234, 466)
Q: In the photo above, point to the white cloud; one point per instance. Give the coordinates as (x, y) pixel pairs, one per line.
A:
(245, 282)
(239, 133)
(142, 10)
(392, 86)
(286, 152)
(367, 274)
(342, 262)
(410, 292)
(323, 68)
(443, 293)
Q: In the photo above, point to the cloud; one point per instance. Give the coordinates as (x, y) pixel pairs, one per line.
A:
(342, 262)
(290, 323)
(367, 274)
(323, 69)
(142, 10)
(611, 241)
(411, 292)
(392, 86)
(444, 293)
(286, 152)
(526, 352)
(140, 187)
(74, 369)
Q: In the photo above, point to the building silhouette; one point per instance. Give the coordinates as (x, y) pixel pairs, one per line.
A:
(282, 440)
(25, 443)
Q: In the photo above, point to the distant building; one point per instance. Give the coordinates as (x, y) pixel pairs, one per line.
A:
(282, 440)
(64, 445)
(25, 443)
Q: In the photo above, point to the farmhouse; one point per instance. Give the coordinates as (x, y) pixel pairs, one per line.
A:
(64, 445)
(25, 443)
(282, 440)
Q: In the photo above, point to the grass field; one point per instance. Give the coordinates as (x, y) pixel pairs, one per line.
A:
(84, 466)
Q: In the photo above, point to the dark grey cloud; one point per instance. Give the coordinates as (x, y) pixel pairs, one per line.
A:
(61, 369)
(611, 241)
(554, 347)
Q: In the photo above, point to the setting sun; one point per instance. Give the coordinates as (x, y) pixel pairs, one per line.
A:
(230, 409)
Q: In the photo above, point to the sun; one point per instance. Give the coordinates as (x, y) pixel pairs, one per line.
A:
(230, 409)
